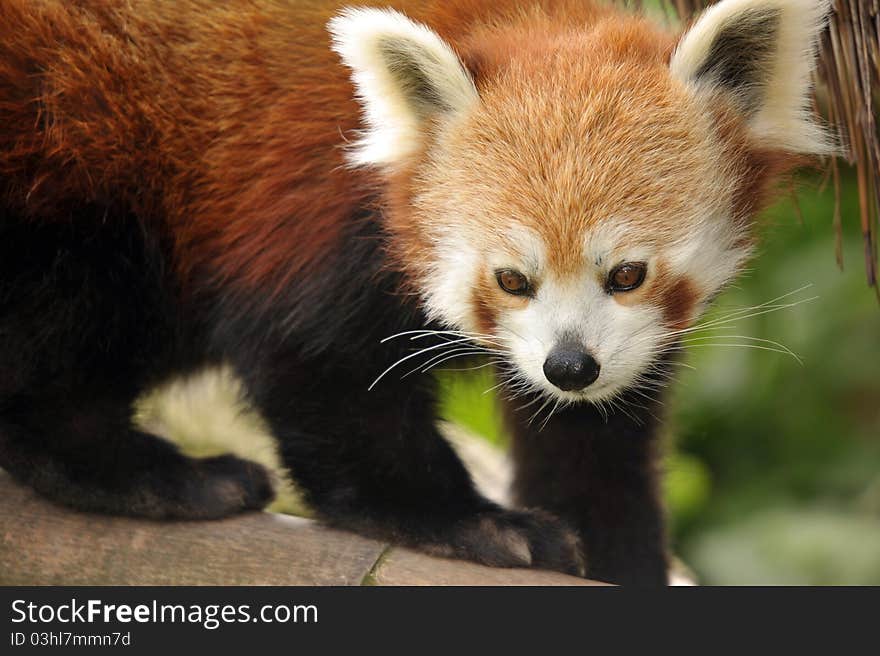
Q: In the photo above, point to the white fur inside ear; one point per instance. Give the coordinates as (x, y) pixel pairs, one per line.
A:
(783, 117)
(401, 70)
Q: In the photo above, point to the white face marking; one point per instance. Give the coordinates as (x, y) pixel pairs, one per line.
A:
(455, 264)
(625, 339)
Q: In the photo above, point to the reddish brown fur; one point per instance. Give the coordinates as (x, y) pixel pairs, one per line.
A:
(485, 309)
(229, 130)
(679, 298)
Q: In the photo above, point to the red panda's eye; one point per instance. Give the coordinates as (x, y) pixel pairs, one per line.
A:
(513, 282)
(627, 276)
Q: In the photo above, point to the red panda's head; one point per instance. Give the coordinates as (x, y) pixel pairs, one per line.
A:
(577, 193)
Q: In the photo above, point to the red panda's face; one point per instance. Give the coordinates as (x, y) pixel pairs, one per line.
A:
(577, 226)
(576, 206)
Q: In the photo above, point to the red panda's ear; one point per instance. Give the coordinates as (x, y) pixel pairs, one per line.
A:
(405, 76)
(761, 53)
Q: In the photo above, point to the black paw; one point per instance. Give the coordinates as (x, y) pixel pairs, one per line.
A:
(237, 483)
(505, 538)
(220, 486)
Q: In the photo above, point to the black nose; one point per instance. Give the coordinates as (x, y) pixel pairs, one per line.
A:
(570, 367)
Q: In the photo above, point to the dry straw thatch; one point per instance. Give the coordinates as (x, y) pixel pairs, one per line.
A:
(847, 88)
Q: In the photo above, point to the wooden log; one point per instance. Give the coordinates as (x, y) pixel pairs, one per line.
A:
(44, 544)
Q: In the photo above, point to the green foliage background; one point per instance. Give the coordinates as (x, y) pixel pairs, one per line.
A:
(773, 465)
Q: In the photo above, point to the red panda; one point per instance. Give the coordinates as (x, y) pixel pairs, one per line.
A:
(307, 191)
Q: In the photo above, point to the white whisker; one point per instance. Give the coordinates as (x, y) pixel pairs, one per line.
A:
(552, 410)
(461, 354)
(413, 355)
(539, 410)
